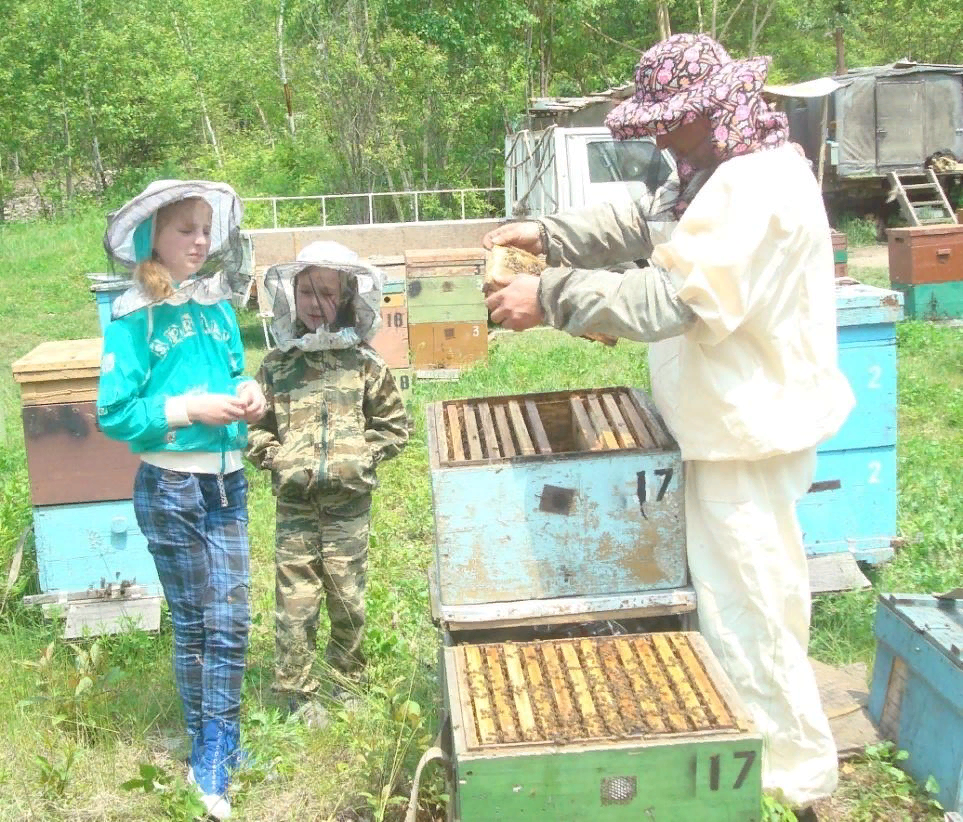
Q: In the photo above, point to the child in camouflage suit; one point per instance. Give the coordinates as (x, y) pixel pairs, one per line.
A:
(333, 414)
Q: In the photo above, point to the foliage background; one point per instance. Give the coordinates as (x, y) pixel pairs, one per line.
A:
(385, 94)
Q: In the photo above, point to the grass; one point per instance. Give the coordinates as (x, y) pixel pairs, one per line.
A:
(66, 748)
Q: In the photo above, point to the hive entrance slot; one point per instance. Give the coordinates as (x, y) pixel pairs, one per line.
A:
(560, 423)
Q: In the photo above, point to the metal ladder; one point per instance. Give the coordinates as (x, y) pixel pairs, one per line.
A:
(933, 198)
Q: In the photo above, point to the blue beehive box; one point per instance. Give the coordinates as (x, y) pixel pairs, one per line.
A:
(554, 498)
(916, 697)
(106, 288)
(88, 545)
(851, 505)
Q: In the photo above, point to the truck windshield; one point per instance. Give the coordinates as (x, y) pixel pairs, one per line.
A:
(611, 161)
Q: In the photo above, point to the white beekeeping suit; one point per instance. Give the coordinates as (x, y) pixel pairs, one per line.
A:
(737, 298)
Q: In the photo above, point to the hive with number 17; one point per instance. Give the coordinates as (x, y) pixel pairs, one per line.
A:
(554, 513)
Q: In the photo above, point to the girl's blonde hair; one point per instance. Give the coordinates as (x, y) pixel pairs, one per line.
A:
(151, 274)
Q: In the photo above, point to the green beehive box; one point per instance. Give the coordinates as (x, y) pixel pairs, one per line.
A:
(607, 729)
(933, 301)
(446, 300)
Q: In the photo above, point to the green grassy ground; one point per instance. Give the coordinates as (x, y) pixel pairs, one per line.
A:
(77, 720)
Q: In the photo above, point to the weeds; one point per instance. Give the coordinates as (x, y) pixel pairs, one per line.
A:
(859, 231)
(179, 801)
(74, 698)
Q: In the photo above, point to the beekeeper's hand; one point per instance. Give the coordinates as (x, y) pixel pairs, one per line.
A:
(250, 394)
(516, 306)
(215, 409)
(526, 235)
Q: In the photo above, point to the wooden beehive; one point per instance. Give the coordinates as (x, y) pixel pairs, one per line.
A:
(59, 371)
(925, 254)
(81, 482)
(545, 496)
(851, 505)
(840, 253)
(89, 545)
(70, 460)
(916, 696)
(391, 341)
(933, 301)
(611, 728)
(445, 286)
(68, 457)
(447, 345)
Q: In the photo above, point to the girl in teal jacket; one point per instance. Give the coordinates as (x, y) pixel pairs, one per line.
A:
(171, 385)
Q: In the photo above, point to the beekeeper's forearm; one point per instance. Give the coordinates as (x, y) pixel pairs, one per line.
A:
(599, 236)
(639, 304)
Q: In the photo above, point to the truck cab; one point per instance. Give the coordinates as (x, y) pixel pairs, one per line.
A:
(559, 168)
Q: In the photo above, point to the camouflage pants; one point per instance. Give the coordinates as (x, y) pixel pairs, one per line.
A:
(322, 549)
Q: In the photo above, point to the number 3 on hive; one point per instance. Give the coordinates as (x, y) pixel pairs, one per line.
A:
(725, 771)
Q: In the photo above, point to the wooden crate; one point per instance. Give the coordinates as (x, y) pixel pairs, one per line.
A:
(916, 696)
(391, 341)
(614, 729)
(90, 545)
(445, 285)
(70, 460)
(925, 254)
(840, 253)
(543, 496)
(933, 301)
(59, 371)
(447, 345)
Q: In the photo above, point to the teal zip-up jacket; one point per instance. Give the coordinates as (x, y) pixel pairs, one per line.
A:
(163, 351)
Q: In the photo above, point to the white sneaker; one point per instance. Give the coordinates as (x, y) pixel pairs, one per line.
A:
(217, 806)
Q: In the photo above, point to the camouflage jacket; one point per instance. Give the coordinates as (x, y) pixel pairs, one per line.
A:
(332, 416)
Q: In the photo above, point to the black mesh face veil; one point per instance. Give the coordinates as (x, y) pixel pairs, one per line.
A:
(325, 303)
(132, 233)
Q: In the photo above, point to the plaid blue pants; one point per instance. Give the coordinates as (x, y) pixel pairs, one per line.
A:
(202, 556)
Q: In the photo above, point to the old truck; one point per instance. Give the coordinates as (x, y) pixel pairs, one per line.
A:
(882, 133)
(556, 168)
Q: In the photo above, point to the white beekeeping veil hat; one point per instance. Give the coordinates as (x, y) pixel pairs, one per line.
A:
(359, 308)
(129, 240)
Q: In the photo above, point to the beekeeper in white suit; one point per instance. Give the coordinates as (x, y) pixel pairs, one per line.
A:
(740, 291)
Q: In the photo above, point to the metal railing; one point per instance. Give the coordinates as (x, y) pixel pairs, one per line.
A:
(489, 202)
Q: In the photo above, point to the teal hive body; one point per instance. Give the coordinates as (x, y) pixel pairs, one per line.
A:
(852, 503)
(579, 520)
(916, 698)
(86, 545)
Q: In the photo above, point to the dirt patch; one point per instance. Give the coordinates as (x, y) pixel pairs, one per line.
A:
(869, 256)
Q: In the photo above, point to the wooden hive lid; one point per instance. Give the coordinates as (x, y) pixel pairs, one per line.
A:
(938, 619)
(422, 262)
(906, 232)
(58, 359)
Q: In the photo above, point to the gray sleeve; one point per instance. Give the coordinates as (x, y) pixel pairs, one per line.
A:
(598, 236)
(639, 304)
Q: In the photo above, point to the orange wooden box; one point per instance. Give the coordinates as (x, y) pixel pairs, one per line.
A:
(925, 254)
(391, 341)
(447, 345)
